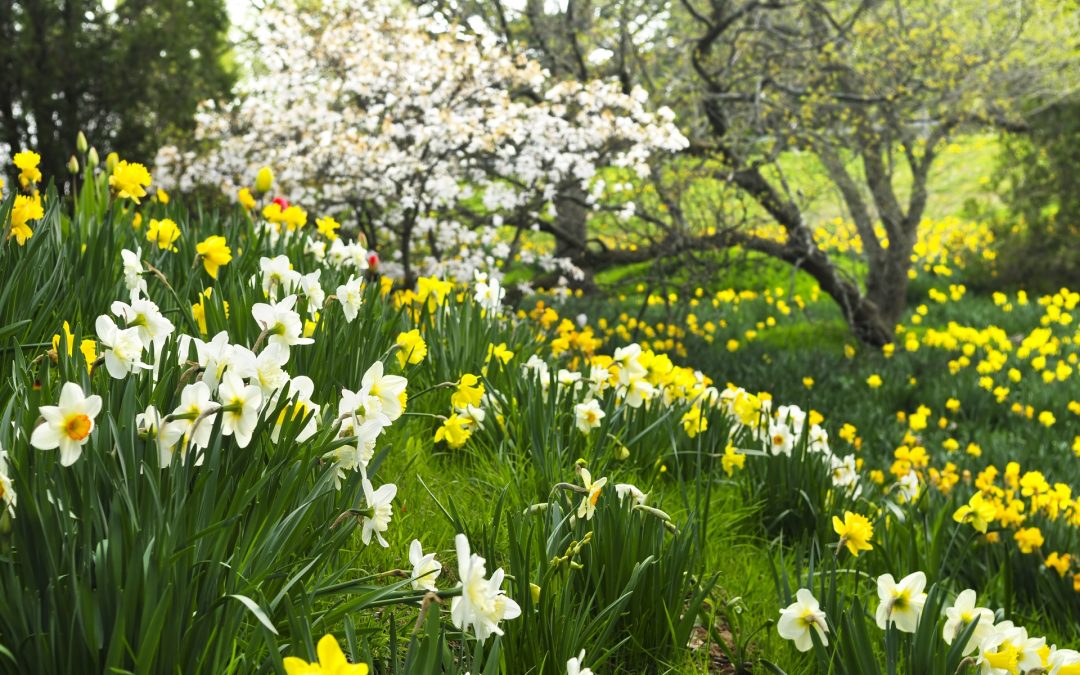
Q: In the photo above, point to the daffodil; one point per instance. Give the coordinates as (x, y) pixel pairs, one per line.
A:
(130, 180)
(331, 661)
(482, 603)
(239, 408)
(280, 322)
(798, 619)
(900, 603)
(351, 296)
(469, 391)
(961, 615)
(576, 665)
(378, 512)
(246, 199)
(278, 276)
(855, 532)
(978, 512)
(67, 426)
(588, 415)
(732, 459)
(215, 252)
(25, 210)
(164, 233)
(27, 163)
(587, 507)
(425, 567)
(123, 348)
(165, 435)
(455, 431)
(411, 348)
(328, 227)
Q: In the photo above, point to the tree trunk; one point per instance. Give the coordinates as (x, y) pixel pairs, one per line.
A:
(572, 226)
(887, 281)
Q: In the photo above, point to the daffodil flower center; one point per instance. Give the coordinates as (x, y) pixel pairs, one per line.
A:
(77, 426)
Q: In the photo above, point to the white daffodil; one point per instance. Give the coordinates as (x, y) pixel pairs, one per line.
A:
(473, 416)
(901, 603)
(962, 614)
(637, 392)
(265, 370)
(351, 296)
(389, 390)
(588, 415)
(482, 603)
(362, 407)
(240, 408)
(425, 568)
(213, 357)
(133, 271)
(300, 390)
(630, 368)
(587, 507)
(356, 456)
(165, 435)
(8, 498)
(627, 490)
(278, 276)
(195, 401)
(489, 294)
(1008, 650)
(280, 322)
(818, 440)
(145, 316)
(1063, 661)
(781, 439)
(844, 473)
(567, 379)
(312, 291)
(379, 511)
(575, 666)
(122, 348)
(801, 617)
(67, 426)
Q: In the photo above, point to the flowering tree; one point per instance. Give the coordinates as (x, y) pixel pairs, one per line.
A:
(441, 149)
(872, 90)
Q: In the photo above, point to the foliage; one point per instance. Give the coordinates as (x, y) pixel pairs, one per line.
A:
(128, 73)
(1035, 168)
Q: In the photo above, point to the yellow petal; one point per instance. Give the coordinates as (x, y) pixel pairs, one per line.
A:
(330, 654)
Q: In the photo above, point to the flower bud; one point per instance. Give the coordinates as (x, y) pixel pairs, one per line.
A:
(264, 180)
(92, 160)
(111, 160)
(73, 165)
(80, 143)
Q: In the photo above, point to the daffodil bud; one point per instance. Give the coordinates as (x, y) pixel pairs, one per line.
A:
(80, 143)
(264, 180)
(92, 160)
(73, 165)
(534, 590)
(111, 160)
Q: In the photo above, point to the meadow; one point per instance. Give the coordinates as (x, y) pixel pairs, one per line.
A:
(231, 445)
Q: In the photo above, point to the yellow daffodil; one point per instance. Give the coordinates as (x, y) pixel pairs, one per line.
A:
(328, 227)
(468, 393)
(130, 180)
(164, 233)
(215, 252)
(331, 661)
(855, 532)
(27, 163)
(25, 210)
(411, 348)
(455, 431)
